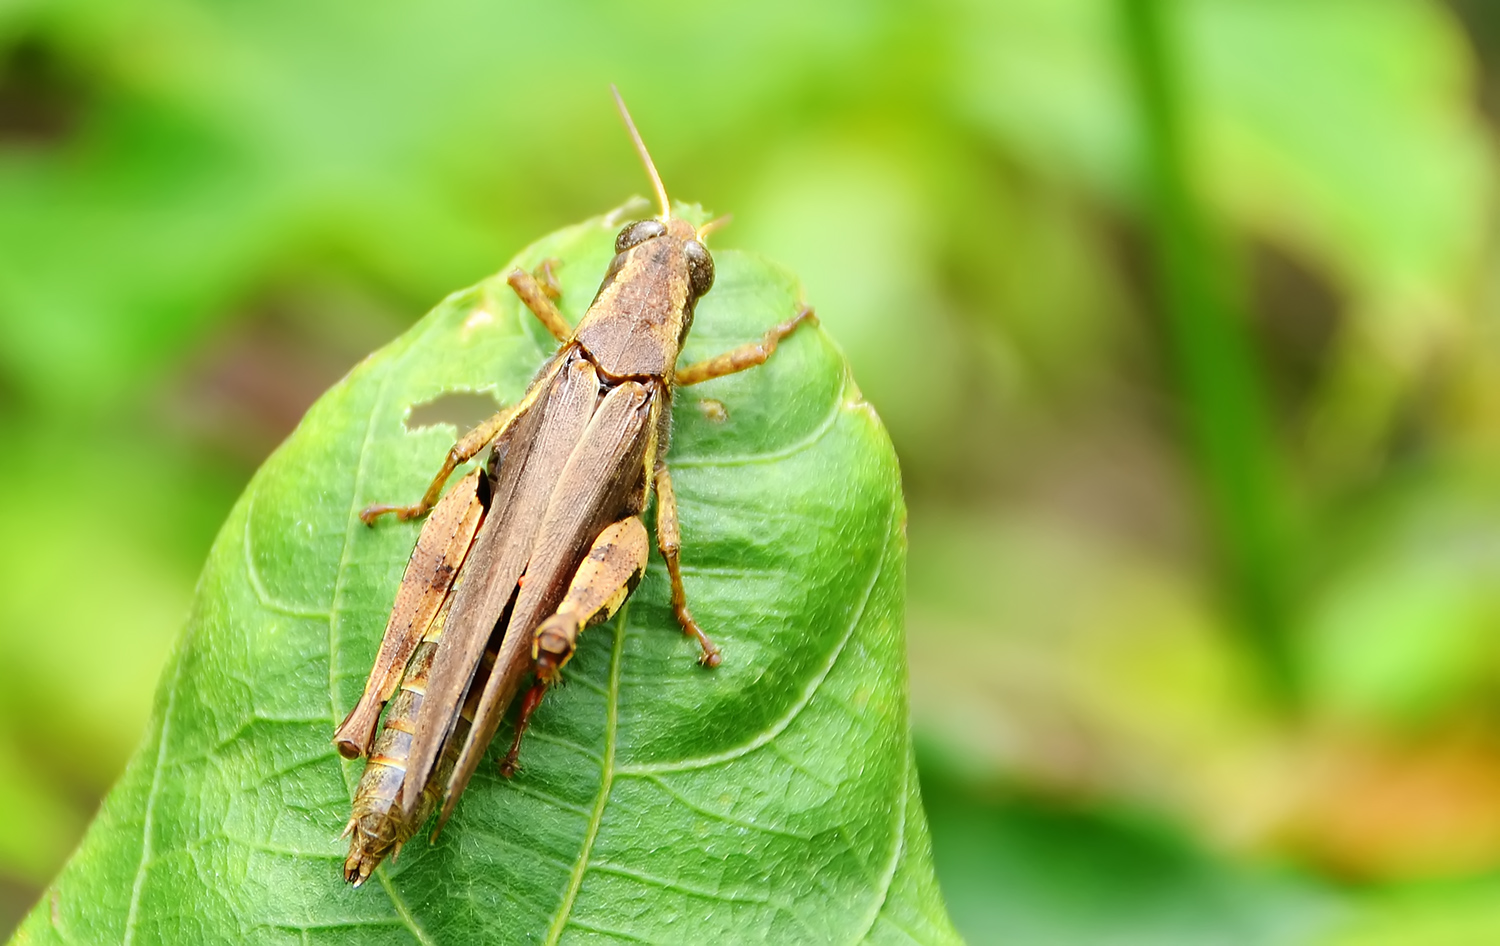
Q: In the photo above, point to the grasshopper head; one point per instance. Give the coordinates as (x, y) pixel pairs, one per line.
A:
(700, 264)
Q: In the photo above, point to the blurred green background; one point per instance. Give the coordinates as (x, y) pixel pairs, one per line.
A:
(1182, 315)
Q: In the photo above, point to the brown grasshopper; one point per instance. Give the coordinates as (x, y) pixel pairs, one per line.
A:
(544, 542)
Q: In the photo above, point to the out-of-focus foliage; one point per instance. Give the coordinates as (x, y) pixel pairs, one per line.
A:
(208, 212)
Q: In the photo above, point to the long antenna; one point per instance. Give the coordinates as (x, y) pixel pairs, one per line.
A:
(640, 147)
(717, 223)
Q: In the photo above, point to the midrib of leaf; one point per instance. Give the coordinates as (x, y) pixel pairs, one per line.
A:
(606, 781)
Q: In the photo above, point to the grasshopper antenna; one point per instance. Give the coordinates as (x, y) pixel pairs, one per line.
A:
(640, 147)
(717, 223)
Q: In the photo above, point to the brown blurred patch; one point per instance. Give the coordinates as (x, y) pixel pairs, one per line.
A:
(247, 386)
(1370, 808)
(1296, 317)
(42, 97)
(16, 898)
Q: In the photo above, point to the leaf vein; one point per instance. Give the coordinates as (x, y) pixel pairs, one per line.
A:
(263, 594)
(897, 850)
(264, 848)
(902, 930)
(151, 795)
(772, 456)
(651, 880)
(606, 931)
(537, 735)
(588, 683)
(797, 766)
(343, 563)
(351, 924)
(687, 803)
(780, 725)
(532, 855)
(402, 910)
(550, 800)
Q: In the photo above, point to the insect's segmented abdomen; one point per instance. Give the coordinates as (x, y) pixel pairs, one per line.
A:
(376, 828)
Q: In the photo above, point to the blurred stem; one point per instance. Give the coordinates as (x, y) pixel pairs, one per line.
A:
(1218, 379)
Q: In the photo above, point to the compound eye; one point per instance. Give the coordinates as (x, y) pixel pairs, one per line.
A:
(700, 267)
(637, 233)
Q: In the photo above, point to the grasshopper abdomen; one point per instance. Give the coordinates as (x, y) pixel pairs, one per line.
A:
(378, 826)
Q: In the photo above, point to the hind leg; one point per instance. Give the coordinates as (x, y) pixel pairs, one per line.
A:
(603, 581)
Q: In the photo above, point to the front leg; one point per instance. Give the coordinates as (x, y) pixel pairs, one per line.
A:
(669, 542)
(537, 292)
(745, 356)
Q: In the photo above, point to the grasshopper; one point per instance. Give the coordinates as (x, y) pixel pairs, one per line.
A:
(546, 540)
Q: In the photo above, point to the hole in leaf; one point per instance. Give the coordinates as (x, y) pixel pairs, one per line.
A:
(462, 409)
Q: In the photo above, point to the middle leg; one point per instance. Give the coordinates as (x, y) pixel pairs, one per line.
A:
(467, 447)
(669, 542)
(745, 356)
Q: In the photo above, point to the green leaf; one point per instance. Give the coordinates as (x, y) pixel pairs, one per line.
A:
(770, 800)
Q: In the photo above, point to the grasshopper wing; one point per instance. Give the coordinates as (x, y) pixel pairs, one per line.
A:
(603, 479)
(542, 441)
